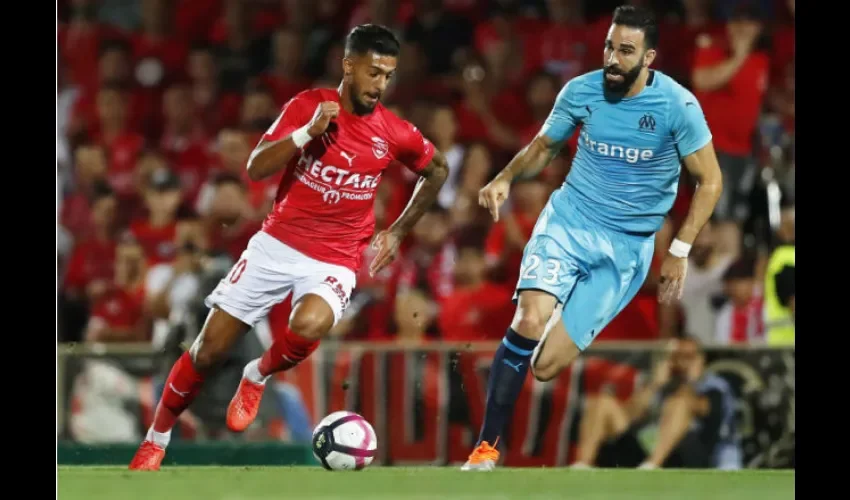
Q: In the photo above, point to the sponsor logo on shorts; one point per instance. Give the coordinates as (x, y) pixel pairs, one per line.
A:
(336, 286)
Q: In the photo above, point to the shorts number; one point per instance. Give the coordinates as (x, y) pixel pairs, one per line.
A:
(553, 268)
(237, 270)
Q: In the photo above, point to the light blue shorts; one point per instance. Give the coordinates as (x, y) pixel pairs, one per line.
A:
(593, 271)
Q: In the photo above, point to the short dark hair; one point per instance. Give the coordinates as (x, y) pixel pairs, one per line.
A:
(375, 38)
(638, 18)
(100, 191)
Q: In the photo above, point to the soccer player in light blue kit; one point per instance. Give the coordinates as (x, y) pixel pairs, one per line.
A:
(592, 246)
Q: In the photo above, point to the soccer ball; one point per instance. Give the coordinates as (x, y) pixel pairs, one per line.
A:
(344, 440)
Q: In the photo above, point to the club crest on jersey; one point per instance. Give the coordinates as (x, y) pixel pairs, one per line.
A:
(379, 147)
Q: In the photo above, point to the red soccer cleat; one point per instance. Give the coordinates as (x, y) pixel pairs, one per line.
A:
(244, 406)
(148, 457)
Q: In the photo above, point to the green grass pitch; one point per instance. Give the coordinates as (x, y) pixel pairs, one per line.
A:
(419, 483)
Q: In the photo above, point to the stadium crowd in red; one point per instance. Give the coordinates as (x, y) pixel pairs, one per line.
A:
(159, 107)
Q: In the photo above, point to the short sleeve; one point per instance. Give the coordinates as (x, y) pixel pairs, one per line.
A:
(561, 122)
(687, 121)
(294, 115)
(414, 150)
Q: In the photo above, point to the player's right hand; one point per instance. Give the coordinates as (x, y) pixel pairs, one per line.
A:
(325, 112)
(494, 194)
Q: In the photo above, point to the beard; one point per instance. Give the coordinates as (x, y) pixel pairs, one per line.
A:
(358, 104)
(628, 78)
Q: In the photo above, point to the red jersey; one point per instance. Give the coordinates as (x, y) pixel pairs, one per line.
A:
(324, 203)
(732, 111)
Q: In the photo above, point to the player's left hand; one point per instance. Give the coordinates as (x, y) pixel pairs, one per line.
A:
(386, 243)
(672, 281)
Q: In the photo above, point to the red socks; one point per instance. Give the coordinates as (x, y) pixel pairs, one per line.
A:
(286, 352)
(184, 382)
(180, 389)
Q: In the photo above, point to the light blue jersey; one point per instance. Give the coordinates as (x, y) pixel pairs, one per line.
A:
(593, 244)
(626, 170)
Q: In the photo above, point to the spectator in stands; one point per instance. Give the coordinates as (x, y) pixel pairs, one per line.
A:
(171, 286)
(116, 135)
(564, 46)
(679, 42)
(160, 56)
(216, 106)
(469, 166)
(116, 316)
(285, 75)
(184, 142)
(739, 320)
(114, 68)
(415, 314)
(240, 54)
(229, 219)
(89, 271)
(708, 262)
(476, 308)
(780, 284)
(259, 110)
(233, 150)
(695, 411)
(91, 267)
(90, 168)
(428, 264)
(491, 111)
(540, 96)
(729, 79)
(441, 35)
(156, 233)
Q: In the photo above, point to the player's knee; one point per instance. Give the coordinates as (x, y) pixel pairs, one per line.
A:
(530, 324)
(310, 323)
(545, 371)
(206, 353)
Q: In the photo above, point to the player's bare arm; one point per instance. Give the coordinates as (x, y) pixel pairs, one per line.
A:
(702, 164)
(527, 163)
(387, 242)
(269, 157)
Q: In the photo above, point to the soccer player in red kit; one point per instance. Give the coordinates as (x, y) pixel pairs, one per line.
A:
(334, 145)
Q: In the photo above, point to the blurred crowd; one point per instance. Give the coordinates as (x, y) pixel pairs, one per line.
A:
(160, 103)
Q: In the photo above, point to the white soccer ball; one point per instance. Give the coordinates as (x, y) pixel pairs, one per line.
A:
(344, 441)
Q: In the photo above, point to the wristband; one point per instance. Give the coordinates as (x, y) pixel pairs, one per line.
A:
(301, 137)
(680, 249)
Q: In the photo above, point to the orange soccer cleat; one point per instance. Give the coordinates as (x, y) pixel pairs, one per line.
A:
(148, 457)
(244, 406)
(483, 457)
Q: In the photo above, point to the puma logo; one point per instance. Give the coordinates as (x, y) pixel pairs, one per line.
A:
(514, 366)
(348, 158)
